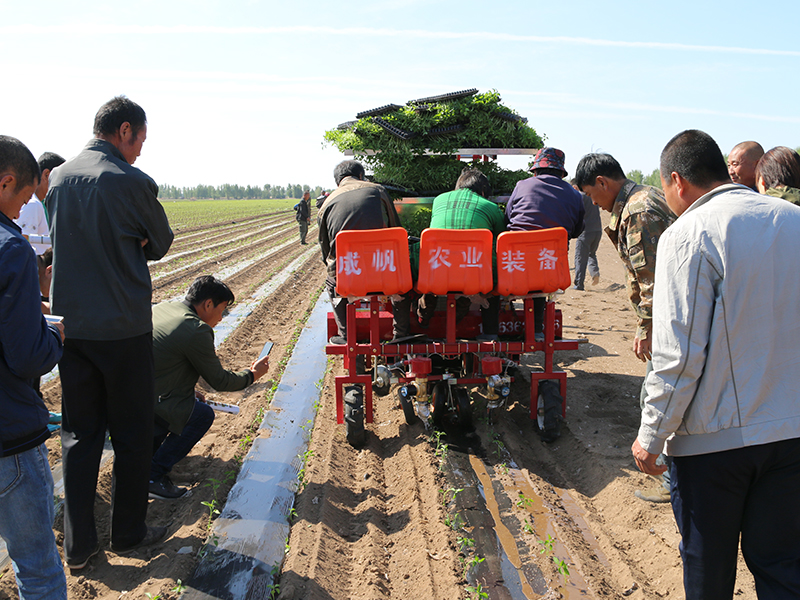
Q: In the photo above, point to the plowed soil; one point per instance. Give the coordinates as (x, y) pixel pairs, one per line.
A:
(410, 515)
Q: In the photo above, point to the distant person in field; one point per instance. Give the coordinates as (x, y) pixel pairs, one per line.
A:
(587, 243)
(320, 200)
(723, 394)
(183, 350)
(742, 163)
(778, 174)
(467, 207)
(355, 204)
(29, 347)
(32, 219)
(544, 201)
(106, 223)
(639, 215)
(303, 216)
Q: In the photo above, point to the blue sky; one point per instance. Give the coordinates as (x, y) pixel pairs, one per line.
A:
(242, 92)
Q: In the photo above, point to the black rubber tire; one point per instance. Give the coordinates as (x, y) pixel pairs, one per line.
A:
(408, 408)
(463, 407)
(354, 416)
(439, 403)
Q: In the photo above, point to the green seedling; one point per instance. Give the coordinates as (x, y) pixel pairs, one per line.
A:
(523, 501)
(527, 527)
(292, 515)
(179, 588)
(548, 545)
(477, 592)
(465, 542)
(561, 567)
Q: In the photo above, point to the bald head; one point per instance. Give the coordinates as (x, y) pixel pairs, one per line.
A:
(742, 163)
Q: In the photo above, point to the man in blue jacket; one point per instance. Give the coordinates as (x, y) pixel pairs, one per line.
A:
(29, 347)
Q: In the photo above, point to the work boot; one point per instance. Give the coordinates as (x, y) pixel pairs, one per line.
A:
(153, 536)
(164, 489)
(77, 565)
(338, 340)
(658, 495)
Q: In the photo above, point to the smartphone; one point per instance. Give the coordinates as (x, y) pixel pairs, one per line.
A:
(53, 318)
(265, 351)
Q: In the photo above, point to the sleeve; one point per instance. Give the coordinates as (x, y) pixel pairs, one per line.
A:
(685, 300)
(580, 224)
(154, 223)
(324, 239)
(642, 232)
(31, 347)
(204, 359)
(392, 218)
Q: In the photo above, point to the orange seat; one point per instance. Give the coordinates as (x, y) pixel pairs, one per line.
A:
(372, 261)
(455, 260)
(532, 261)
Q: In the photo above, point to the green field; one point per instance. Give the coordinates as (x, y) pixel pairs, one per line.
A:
(195, 213)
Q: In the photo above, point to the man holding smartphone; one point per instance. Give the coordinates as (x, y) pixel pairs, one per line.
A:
(183, 351)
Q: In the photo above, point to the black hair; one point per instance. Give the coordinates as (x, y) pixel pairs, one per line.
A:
(593, 165)
(208, 287)
(779, 166)
(475, 180)
(117, 111)
(348, 168)
(695, 156)
(550, 171)
(16, 159)
(50, 160)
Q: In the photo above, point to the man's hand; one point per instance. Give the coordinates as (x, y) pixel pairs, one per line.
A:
(60, 326)
(643, 347)
(144, 242)
(199, 396)
(646, 461)
(260, 367)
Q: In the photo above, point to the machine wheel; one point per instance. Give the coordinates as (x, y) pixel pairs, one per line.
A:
(549, 410)
(463, 407)
(408, 408)
(439, 403)
(354, 415)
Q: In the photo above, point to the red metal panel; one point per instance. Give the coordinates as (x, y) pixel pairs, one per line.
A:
(532, 261)
(455, 260)
(372, 261)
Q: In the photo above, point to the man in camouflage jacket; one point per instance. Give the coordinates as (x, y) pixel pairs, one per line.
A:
(639, 215)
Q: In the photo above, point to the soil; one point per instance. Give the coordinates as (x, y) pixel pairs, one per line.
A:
(395, 518)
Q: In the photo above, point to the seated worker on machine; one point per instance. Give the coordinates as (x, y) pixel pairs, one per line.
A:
(467, 207)
(356, 204)
(544, 201)
(183, 351)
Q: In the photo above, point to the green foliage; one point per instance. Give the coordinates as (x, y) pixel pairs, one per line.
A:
(235, 192)
(654, 179)
(404, 163)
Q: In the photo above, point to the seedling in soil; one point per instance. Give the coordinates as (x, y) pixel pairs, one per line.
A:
(548, 545)
(453, 491)
(179, 588)
(465, 542)
(292, 515)
(503, 468)
(523, 501)
(453, 522)
(561, 567)
(476, 592)
(527, 527)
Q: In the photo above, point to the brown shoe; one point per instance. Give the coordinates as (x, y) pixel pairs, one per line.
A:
(153, 536)
(77, 565)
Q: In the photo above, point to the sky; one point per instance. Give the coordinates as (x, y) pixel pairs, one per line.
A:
(241, 92)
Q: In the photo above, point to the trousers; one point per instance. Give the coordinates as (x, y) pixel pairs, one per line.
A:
(751, 491)
(106, 386)
(586, 254)
(170, 448)
(26, 525)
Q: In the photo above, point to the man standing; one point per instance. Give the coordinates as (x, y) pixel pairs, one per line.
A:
(106, 223)
(32, 219)
(303, 216)
(742, 163)
(639, 215)
(355, 204)
(726, 373)
(183, 350)
(587, 243)
(29, 347)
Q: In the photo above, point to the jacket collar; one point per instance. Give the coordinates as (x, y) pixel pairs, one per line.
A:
(725, 187)
(616, 211)
(6, 221)
(104, 146)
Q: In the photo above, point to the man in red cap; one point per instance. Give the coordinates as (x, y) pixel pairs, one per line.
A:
(544, 201)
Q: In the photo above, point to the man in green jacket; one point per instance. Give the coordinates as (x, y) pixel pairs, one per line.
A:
(183, 351)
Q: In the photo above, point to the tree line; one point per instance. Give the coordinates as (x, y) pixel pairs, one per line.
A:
(228, 191)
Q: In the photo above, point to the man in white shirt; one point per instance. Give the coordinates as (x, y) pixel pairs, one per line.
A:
(32, 219)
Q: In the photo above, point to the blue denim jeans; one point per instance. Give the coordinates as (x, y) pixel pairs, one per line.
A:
(169, 448)
(26, 524)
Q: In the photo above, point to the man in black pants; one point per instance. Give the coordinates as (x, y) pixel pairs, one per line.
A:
(303, 216)
(106, 223)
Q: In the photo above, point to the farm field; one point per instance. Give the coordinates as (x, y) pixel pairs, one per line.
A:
(396, 518)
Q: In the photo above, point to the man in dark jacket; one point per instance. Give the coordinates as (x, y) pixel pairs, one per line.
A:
(29, 347)
(105, 224)
(303, 216)
(355, 204)
(183, 350)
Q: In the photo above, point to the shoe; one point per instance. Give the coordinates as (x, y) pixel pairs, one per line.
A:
(659, 496)
(595, 279)
(153, 536)
(337, 340)
(164, 489)
(77, 565)
(580, 289)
